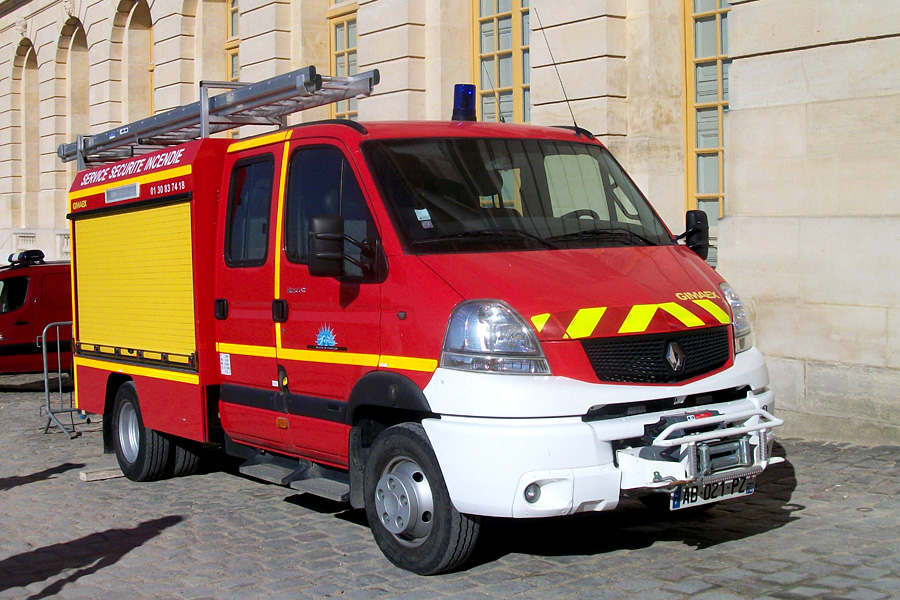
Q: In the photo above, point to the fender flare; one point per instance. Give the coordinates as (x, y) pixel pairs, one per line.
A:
(389, 390)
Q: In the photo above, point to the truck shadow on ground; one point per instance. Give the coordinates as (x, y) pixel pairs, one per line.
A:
(35, 383)
(633, 526)
(86, 555)
(7, 483)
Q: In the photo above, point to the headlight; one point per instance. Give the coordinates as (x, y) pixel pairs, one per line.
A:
(488, 335)
(743, 332)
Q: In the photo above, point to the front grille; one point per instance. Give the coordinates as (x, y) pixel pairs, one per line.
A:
(642, 358)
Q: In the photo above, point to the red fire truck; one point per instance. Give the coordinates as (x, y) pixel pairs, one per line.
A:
(434, 321)
(33, 294)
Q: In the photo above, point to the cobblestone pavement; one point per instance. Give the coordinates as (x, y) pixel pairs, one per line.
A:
(824, 524)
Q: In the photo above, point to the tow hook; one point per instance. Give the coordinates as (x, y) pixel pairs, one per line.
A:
(667, 482)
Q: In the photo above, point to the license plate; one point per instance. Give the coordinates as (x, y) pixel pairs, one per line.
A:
(699, 493)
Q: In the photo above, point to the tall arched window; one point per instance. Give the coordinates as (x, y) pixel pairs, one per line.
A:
(137, 70)
(74, 55)
(73, 71)
(29, 127)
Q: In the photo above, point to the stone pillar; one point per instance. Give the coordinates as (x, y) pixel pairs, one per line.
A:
(448, 60)
(392, 39)
(653, 151)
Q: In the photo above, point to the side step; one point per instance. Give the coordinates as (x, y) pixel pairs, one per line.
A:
(301, 475)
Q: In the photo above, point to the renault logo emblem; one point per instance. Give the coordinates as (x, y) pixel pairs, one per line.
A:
(675, 357)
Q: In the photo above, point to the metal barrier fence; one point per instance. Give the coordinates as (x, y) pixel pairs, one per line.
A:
(64, 402)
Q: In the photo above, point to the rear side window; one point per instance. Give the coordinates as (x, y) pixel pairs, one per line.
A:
(249, 202)
(322, 183)
(12, 293)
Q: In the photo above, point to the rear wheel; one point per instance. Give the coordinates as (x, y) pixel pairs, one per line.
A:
(408, 506)
(186, 459)
(142, 453)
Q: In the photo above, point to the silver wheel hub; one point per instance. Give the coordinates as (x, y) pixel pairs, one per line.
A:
(404, 501)
(129, 432)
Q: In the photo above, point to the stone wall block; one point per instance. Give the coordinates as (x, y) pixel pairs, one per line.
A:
(789, 24)
(766, 133)
(390, 44)
(402, 105)
(843, 127)
(788, 382)
(766, 186)
(268, 46)
(661, 121)
(836, 333)
(601, 116)
(850, 261)
(591, 78)
(590, 38)
(892, 351)
(562, 13)
(845, 428)
(760, 256)
(872, 393)
(388, 14)
(863, 69)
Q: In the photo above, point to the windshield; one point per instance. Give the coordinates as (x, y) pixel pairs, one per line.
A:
(474, 195)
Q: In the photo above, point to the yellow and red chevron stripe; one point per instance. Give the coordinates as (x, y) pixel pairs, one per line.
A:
(603, 321)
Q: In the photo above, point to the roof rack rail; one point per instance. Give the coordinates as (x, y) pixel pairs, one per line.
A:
(266, 102)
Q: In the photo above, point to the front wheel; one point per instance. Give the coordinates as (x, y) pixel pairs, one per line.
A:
(142, 453)
(408, 506)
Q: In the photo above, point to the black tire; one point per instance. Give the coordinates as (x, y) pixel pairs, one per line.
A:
(404, 490)
(185, 461)
(142, 453)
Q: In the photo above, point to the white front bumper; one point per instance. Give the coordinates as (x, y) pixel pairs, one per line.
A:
(487, 462)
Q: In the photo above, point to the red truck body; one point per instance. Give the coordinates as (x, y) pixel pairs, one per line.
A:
(434, 321)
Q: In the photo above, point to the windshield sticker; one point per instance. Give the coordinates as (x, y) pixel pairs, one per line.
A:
(424, 218)
(325, 339)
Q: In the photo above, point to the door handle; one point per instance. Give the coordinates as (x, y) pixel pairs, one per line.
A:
(21, 322)
(279, 310)
(221, 309)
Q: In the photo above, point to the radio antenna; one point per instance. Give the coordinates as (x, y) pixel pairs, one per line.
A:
(493, 92)
(553, 61)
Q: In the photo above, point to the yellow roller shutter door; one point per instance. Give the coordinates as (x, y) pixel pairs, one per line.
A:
(134, 280)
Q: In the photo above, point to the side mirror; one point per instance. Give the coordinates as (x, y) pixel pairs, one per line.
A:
(697, 232)
(326, 246)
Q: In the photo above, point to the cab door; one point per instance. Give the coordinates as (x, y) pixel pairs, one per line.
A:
(18, 351)
(245, 331)
(330, 334)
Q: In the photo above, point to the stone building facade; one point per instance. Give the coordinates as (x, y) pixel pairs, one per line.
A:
(777, 117)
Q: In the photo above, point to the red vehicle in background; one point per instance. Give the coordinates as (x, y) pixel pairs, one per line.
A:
(33, 293)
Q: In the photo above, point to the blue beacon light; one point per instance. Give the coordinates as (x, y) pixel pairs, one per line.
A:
(463, 102)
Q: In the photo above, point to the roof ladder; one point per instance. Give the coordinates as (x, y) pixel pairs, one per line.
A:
(266, 102)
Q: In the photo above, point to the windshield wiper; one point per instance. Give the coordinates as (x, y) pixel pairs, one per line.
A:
(614, 232)
(489, 233)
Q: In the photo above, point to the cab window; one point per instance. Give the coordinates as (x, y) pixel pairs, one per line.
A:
(249, 202)
(322, 183)
(12, 293)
